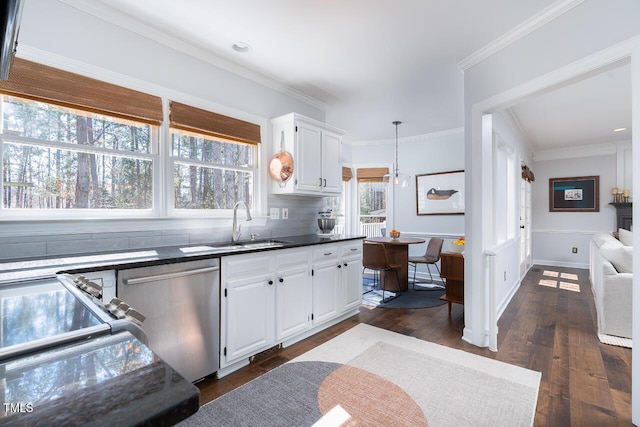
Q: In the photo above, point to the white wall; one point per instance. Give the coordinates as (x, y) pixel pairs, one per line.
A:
(556, 233)
(506, 77)
(422, 154)
(507, 259)
(590, 35)
(55, 33)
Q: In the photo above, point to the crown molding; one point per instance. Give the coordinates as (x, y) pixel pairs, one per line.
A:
(530, 25)
(416, 138)
(122, 20)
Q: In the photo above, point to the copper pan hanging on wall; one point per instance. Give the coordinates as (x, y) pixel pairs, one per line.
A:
(281, 165)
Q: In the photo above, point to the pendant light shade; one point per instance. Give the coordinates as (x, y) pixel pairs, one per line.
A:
(397, 178)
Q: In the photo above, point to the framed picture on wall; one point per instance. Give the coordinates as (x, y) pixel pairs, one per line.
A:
(574, 194)
(440, 193)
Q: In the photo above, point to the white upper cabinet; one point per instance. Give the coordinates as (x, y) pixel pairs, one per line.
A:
(315, 147)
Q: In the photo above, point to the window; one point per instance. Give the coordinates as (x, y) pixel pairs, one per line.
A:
(213, 159)
(72, 146)
(62, 159)
(372, 196)
(211, 174)
(338, 205)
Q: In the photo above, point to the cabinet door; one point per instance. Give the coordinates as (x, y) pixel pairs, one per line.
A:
(325, 280)
(308, 164)
(292, 310)
(351, 283)
(331, 165)
(249, 316)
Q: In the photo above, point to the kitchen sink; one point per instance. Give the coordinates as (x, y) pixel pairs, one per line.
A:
(234, 247)
(260, 245)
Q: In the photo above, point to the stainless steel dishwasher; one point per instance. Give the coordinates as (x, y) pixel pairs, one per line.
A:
(182, 304)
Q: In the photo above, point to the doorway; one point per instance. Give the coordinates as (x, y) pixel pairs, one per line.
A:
(525, 227)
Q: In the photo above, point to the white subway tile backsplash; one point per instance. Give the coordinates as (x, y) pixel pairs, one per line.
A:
(22, 250)
(86, 246)
(303, 213)
(156, 241)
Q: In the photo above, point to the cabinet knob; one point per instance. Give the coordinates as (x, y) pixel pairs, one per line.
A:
(345, 264)
(270, 282)
(339, 266)
(280, 280)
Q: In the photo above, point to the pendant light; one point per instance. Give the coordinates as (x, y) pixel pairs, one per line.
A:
(397, 178)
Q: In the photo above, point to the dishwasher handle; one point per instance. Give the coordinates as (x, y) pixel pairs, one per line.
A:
(146, 279)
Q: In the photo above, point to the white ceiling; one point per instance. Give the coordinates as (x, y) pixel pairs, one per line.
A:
(368, 61)
(582, 113)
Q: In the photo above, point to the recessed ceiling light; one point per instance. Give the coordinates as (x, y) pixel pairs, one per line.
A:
(241, 47)
(619, 129)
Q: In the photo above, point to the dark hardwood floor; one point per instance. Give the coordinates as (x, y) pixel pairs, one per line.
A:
(549, 326)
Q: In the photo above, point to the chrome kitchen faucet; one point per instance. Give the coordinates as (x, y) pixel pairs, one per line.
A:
(235, 234)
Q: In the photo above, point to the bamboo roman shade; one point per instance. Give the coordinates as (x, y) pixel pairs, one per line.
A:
(371, 174)
(54, 86)
(191, 119)
(347, 174)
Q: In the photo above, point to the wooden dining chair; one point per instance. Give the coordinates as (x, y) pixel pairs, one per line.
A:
(430, 257)
(374, 257)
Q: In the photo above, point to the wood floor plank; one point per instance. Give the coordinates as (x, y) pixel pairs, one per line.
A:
(549, 326)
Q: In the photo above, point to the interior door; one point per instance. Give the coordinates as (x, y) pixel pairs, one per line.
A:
(525, 227)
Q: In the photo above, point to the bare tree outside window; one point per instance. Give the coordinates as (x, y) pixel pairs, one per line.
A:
(59, 158)
(211, 174)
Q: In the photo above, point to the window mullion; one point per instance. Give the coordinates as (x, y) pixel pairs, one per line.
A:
(187, 162)
(89, 149)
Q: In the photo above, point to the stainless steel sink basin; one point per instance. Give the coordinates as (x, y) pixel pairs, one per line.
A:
(210, 249)
(234, 247)
(260, 245)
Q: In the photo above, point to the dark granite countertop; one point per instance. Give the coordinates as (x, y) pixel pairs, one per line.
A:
(113, 380)
(24, 269)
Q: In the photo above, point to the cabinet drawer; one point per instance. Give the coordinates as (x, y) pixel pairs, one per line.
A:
(288, 258)
(349, 249)
(325, 252)
(246, 265)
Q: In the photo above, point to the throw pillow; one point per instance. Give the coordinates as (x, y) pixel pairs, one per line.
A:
(625, 236)
(603, 238)
(619, 255)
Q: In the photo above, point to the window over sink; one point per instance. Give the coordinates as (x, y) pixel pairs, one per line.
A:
(77, 147)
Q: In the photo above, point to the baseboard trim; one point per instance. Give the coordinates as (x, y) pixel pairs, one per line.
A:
(553, 263)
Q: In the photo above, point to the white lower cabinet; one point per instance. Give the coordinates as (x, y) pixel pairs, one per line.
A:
(271, 297)
(351, 287)
(293, 293)
(247, 306)
(325, 278)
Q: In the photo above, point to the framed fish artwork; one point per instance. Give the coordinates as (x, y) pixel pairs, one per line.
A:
(440, 193)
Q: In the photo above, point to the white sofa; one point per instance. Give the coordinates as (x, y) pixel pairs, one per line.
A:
(610, 271)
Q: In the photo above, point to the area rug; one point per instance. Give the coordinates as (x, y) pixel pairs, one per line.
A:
(613, 340)
(371, 376)
(428, 296)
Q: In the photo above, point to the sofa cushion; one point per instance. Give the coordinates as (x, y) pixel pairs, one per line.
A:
(619, 255)
(626, 237)
(603, 238)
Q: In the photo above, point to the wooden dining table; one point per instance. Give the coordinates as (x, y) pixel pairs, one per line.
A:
(398, 253)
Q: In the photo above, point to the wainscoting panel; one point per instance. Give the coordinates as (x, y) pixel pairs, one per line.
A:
(555, 247)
